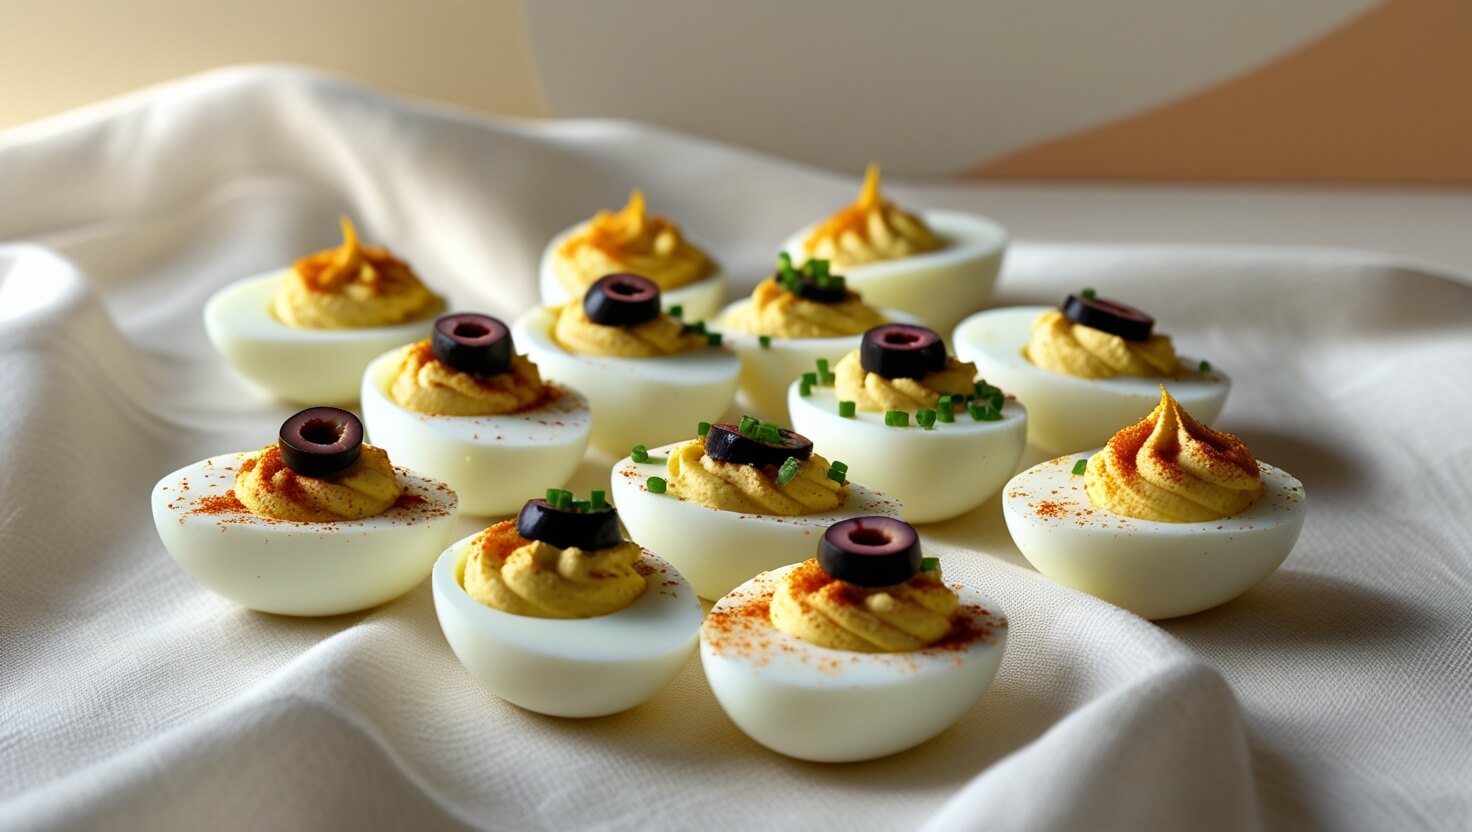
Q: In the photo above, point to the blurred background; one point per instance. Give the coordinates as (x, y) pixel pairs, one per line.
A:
(1358, 91)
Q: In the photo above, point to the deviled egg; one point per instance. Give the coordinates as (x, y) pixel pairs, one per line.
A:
(648, 376)
(462, 406)
(557, 613)
(914, 420)
(632, 240)
(739, 499)
(306, 333)
(1169, 518)
(937, 265)
(860, 652)
(794, 319)
(318, 524)
(1085, 368)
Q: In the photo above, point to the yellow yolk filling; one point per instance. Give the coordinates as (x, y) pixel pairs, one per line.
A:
(630, 240)
(776, 312)
(266, 486)
(352, 286)
(1062, 346)
(424, 384)
(661, 335)
(728, 486)
(507, 572)
(812, 606)
(870, 230)
(873, 392)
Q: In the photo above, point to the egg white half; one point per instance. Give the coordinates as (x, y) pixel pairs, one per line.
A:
(492, 462)
(293, 568)
(571, 667)
(938, 287)
(307, 366)
(767, 371)
(1070, 414)
(701, 299)
(937, 474)
(832, 706)
(717, 550)
(635, 400)
(1155, 570)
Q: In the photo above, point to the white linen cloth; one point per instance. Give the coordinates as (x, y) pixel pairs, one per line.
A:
(1337, 694)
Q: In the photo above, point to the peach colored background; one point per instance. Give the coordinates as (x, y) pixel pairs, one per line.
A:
(1379, 98)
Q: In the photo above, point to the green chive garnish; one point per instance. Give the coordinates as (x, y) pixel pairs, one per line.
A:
(925, 418)
(897, 418)
(656, 485)
(698, 327)
(784, 259)
(945, 409)
(1088, 294)
(559, 499)
(810, 378)
(1081, 466)
(764, 341)
(677, 311)
(702, 429)
(847, 409)
(768, 433)
(713, 338)
(582, 505)
(748, 426)
(984, 412)
(929, 564)
(639, 454)
(838, 472)
(598, 499)
(822, 366)
(788, 471)
(1205, 366)
(804, 388)
(818, 268)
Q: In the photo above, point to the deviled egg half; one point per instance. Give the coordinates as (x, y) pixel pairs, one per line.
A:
(306, 333)
(1085, 368)
(318, 524)
(794, 319)
(557, 613)
(1169, 518)
(739, 499)
(937, 265)
(462, 406)
(861, 652)
(632, 240)
(916, 421)
(647, 375)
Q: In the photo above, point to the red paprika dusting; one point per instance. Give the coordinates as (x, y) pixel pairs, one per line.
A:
(226, 503)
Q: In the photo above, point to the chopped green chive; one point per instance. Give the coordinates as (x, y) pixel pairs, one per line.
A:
(1081, 466)
(559, 499)
(847, 409)
(713, 338)
(945, 409)
(764, 341)
(897, 418)
(822, 366)
(784, 259)
(656, 485)
(838, 472)
(925, 418)
(639, 454)
(598, 499)
(984, 412)
(804, 388)
(582, 505)
(1205, 366)
(677, 311)
(929, 564)
(702, 429)
(810, 378)
(817, 268)
(788, 471)
(768, 433)
(748, 426)
(1089, 294)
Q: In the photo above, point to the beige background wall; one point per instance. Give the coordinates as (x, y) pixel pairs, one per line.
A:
(61, 54)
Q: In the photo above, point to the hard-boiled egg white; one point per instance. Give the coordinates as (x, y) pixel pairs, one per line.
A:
(831, 706)
(488, 460)
(938, 287)
(767, 371)
(314, 366)
(1153, 569)
(571, 667)
(700, 300)
(1070, 414)
(717, 550)
(294, 568)
(635, 400)
(938, 473)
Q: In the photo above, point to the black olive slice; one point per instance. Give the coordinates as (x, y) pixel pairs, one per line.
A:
(472, 343)
(902, 351)
(564, 527)
(622, 300)
(810, 290)
(725, 442)
(870, 551)
(320, 440)
(1109, 316)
